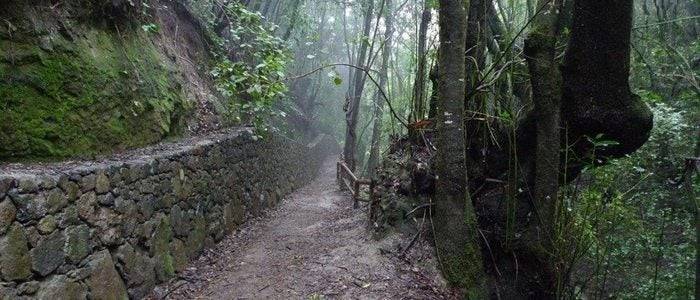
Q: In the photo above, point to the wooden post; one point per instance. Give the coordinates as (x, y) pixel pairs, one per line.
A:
(372, 203)
(338, 177)
(356, 194)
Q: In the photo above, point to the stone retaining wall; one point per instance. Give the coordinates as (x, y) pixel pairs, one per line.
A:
(114, 229)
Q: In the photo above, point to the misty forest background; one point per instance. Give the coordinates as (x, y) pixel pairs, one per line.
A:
(542, 115)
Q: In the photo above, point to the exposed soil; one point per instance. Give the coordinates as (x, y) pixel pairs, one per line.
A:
(314, 245)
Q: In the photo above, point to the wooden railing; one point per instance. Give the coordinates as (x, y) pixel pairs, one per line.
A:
(347, 180)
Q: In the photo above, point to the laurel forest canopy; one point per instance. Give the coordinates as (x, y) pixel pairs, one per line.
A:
(547, 149)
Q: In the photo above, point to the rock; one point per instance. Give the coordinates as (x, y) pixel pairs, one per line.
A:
(180, 221)
(48, 254)
(61, 287)
(79, 274)
(68, 217)
(56, 201)
(8, 291)
(182, 187)
(104, 282)
(110, 236)
(15, 263)
(28, 288)
(167, 200)
(138, 270)
(77, 244)
(146, 186)
(26, 185)
(195, 240)
(147, 206)
(160, 250)
(47, 225)
(29, 206)
(86, 207)
(45, 43)
(87, 183)
(106, 199)
(179, 254)
(71, 189)
(33, 236)
(47, 182)
(6, 183)
(127, 209)
(102, 183)
(7, 215)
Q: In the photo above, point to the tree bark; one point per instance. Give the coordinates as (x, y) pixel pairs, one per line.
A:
(383, 82)
(419, 83)
(546, 88)
(596, 97)
(353, 105)
(455, 219)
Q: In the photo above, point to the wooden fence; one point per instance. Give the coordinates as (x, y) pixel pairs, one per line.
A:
(347, 180)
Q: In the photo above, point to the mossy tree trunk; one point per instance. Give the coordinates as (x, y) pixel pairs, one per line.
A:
(596, 93)
(454, 216)
(545, 78)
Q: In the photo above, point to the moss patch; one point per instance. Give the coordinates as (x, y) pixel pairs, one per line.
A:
(101, 91)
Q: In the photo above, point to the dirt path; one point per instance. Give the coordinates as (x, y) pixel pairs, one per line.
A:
(314, 245)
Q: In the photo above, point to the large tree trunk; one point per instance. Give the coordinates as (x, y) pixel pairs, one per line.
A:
(455, 219)
(383, 82)
(353, 105)
(597, 97)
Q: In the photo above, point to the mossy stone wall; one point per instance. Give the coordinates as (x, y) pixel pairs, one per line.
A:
(115, 228)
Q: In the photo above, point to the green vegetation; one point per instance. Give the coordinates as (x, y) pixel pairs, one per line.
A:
(250, 79)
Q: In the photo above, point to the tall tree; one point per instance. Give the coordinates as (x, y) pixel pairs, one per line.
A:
(358, 84)
(455, 219)
(419, 85)
(546, 89)
(383, 82)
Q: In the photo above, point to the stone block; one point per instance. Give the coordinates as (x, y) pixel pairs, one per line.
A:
(102, 183)
(56, 200)
(8, 212)
(87, 183)
(48, 254)
(61, 287)
(77, 244)
(104, 282)
(15, 263)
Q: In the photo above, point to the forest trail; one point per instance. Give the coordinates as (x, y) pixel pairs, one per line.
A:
(314, 244)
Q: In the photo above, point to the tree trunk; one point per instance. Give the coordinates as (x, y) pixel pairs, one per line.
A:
(546, 88)
(419, 84)
(293, 20)
(353, 105)
(596, 95)
(383, 82)
(455, 219)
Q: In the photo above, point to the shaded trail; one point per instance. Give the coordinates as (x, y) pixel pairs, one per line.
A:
(313, 244)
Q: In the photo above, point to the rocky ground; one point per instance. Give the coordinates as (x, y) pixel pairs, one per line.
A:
(314, 245)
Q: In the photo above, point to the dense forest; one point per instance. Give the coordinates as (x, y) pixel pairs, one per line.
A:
(546, 149)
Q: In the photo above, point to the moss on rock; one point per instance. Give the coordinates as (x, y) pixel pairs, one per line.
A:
(93, 90)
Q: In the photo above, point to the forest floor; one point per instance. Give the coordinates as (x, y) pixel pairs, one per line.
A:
(314, 245)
